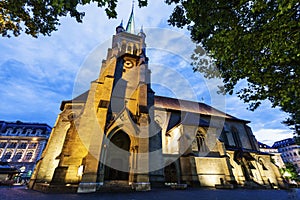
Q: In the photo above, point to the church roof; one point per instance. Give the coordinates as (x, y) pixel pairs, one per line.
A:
(168, 103)
(79, 99)
(189, 106)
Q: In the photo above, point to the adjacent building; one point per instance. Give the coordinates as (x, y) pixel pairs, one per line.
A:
(120, 134)
(290, 151)
(275, 154)
(21, 145)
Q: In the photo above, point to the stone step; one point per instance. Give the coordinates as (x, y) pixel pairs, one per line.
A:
(115, 186)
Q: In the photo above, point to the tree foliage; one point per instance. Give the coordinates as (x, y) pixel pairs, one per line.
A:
(42, 16)
(257, 41)
(291, 170)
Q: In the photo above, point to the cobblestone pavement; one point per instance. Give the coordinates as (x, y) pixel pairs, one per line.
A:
(21, 193)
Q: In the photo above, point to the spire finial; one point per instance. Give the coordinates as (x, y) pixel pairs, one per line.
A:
(141, 33)
(130, 25)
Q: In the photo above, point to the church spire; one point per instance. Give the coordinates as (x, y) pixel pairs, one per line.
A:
(120, 28)
(130, 25)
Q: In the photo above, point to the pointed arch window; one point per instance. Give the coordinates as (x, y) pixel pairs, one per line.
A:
(129, 48)
(123, 47)
(236, 137)
(199, 144)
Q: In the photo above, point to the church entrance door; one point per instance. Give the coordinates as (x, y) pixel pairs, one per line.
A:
(171, 173)
(117, 157)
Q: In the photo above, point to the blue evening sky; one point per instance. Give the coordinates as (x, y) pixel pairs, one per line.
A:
(37, 74)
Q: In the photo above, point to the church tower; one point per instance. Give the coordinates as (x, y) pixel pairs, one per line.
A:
(102, 136)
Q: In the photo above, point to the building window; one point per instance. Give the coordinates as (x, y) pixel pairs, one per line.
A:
(23, 145)
(28, 156)
(12, 145)
(199, 144)
(28, 131)
(18, 156)
(19, 131)
(103, 104)
(38, 131)
(236, 137)
(9, 130)
(32, 145)
(7, 156)
(2, 144)
(129, 49)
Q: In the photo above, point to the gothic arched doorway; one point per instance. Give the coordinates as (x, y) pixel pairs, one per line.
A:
(117, 157)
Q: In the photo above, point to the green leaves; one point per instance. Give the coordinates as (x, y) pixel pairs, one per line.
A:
(42, 16)
(257, 41)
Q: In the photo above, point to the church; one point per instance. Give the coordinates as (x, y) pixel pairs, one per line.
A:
(119, 134)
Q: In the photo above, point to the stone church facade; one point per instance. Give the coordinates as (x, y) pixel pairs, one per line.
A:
(120, 134)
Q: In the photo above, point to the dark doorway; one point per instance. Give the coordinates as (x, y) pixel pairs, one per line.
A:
(117, 157)
(171, 173)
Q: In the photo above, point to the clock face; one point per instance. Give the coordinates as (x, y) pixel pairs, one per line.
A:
(128, 64)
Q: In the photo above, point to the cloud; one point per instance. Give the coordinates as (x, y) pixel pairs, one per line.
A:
(269, 136)
(27, 96)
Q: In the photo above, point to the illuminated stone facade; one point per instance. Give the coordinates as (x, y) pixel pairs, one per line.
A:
(22, 144)
(276, 155)
(119, 134)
